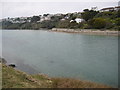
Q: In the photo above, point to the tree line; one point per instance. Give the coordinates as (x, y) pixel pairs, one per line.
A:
(92, 20)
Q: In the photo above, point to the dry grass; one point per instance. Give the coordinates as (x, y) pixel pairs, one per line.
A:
(13, 78)
(73, 83)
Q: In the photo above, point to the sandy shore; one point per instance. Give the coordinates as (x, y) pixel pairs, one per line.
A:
(86, 31)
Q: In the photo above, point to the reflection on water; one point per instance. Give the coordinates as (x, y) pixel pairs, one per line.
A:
(93, 58)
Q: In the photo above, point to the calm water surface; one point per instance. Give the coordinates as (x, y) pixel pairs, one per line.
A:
(87, 57)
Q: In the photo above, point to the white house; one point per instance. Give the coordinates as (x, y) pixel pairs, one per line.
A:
(66, 17)
(63, 19)
(117, 8)
(43, 18)
(72, 20)
(79, 20)
(107, 9)
(58, 14)
(94, 8)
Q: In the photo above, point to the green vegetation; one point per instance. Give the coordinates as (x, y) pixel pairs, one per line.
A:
(97, 23)
(12, 78)
(35, 18)
(101, 20)
(91, 19)
(89, 14)
(15, 79)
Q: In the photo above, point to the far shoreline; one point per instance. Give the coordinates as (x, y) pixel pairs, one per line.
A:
(105, 32)
(87, 31)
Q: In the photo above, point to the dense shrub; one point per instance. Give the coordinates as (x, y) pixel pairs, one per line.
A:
(63, 24)
(98, 23)
(117, 21)
(35, 18)
(88, 14)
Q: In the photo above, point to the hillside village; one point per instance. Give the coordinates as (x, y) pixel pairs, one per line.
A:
(48, 16)
(108, 15)
(43, 17)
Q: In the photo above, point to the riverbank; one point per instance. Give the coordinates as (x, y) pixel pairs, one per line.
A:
(87, 31)
(13, 78)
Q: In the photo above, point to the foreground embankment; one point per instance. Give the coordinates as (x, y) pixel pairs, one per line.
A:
(13, 78)
(87, 31)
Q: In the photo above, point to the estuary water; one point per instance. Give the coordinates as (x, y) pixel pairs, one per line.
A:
(87, 57)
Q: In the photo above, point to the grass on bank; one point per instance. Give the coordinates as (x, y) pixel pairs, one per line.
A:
(12, 78)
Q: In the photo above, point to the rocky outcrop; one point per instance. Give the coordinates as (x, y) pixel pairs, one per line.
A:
(12, 65)
(3, 61)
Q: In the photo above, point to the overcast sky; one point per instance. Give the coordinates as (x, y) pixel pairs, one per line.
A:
(19, 8)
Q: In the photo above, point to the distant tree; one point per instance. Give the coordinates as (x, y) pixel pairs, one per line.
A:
(63, 24)
(117, 21)
(6, 23)
(48, 24)
(98, 23)
(14, 26)
(35, 18)
(81, 25)
(118, 13)
(73, 25)
(107, 14)
(56, 18)
(88, 14)
(26, 26)
(72, 17)
(46, 15)
(86, 10)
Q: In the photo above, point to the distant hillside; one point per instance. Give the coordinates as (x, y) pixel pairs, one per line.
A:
(106, 18)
